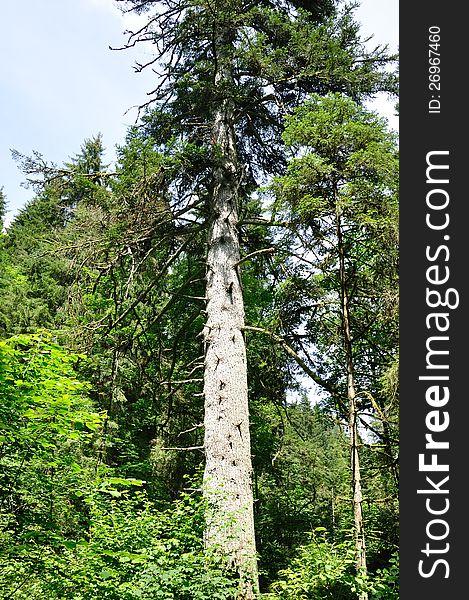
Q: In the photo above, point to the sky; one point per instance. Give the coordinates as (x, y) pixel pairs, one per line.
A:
(61, 84)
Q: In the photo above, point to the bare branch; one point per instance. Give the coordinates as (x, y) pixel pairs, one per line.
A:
(152, 284)
(297, 358)
(181, 381)
(256, 253)
(184, 449)
(198, 426)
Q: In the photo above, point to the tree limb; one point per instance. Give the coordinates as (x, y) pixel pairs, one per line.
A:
(297, 358)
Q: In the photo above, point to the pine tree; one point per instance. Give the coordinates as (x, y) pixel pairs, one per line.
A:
(3, 208)
(39, 273)
(339, 194)
(230, 71)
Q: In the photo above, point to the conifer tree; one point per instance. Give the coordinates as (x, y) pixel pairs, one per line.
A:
(3, 208)
(228, 72)
(339, 195)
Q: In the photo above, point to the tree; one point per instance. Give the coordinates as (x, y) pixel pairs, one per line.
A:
(140, 245)
(340, 194)
(231, 71)
(3, 208)
(38, 274)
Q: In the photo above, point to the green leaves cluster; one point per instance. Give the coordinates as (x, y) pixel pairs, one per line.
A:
(44, 403)
(47, 430)
(132, 550)
(324, 570)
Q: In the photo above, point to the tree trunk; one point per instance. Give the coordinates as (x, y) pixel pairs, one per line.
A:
(227, 478)
(357, 496)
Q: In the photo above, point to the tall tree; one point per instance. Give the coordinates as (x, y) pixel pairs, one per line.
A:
(229, 72)
(339, 193)
(3, 208)
(227, 479)
(39, 275)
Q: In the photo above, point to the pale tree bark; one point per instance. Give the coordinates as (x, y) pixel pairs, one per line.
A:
(357, 495)
(227, 479)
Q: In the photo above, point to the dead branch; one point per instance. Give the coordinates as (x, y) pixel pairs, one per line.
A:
(184, 449)
(297, 358)
(198, 426)
(256, 253)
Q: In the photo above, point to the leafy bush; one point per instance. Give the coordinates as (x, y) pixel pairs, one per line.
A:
(133, 552)
(324, 570)
(47, 424)
(68, 528)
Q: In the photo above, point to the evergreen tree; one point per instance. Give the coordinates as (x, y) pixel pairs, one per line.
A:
(339, 194)
(231, 70)
(39, 271)
(3, 208)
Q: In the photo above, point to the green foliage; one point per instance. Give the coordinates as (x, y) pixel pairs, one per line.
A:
(47, 428)
(34, 246)
(44, 403)
(302, 482)
(91, 504)
(280, 53)
(339, 198)
(321, 571)
(131, 551)
(324, 570)
(341, 181)
(69, 530)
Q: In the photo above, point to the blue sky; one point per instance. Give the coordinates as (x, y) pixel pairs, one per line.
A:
(60, 83)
